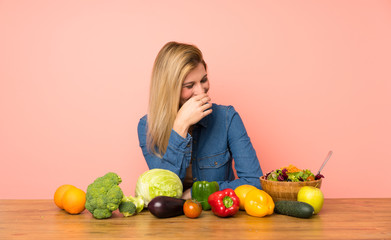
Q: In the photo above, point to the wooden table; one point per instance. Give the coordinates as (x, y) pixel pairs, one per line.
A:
(339, 219)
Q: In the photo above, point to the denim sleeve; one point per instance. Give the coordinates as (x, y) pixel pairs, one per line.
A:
(247, 165)
(177, 156)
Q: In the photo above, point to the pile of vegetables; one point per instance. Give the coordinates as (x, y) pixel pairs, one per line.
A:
(105, 196)
(160, 191)
(292, 174)
(169, 206)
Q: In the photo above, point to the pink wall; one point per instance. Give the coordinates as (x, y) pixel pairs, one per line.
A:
(306, 76)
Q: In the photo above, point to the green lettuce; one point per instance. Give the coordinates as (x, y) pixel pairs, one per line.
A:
(158, 182)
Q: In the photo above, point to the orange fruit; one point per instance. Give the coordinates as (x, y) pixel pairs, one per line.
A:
(60, 193)
(241, 192)
(74, 200)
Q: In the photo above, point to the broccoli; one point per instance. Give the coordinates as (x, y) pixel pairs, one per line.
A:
(131, 205)
(104, 195)
(127, 208)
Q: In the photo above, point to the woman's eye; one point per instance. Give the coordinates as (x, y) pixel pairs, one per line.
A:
(204, 80)
(189, 86)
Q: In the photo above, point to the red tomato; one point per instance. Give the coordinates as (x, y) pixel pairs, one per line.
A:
(192, 208)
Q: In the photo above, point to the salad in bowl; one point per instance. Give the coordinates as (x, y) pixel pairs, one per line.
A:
(292, 174)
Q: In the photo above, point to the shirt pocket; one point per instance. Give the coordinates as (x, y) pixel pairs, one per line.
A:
(215, 167)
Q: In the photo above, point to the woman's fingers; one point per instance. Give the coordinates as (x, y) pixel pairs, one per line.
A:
(206, 113)
(206, 106)
(194, 109)
(200, 96)
(204, 100)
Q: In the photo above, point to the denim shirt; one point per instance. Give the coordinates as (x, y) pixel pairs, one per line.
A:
(216, 140)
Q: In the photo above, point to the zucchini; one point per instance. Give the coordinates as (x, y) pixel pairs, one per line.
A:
(294, 209)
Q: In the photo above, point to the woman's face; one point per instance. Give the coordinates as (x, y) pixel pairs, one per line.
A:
(195, 83)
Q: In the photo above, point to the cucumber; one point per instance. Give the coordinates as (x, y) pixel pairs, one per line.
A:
(294, 209)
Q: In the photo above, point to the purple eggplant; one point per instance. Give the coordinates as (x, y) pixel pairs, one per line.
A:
(165, 207)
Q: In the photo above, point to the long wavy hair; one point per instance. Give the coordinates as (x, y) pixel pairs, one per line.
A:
(172, 64)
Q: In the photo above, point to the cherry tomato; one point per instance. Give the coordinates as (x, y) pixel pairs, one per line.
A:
(192, 208)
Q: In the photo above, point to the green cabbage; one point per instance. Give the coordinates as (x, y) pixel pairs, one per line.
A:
(158, 182)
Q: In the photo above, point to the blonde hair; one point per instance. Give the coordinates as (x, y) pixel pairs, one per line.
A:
(172, 64)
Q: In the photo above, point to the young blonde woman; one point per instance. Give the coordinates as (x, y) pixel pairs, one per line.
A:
(187, 134)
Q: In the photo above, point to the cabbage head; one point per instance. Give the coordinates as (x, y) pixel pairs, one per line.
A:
(158, 182)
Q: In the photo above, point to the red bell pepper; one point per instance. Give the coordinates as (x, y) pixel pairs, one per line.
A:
(224, 203)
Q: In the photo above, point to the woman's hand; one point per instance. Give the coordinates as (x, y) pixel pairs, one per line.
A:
(191, 112)
(186, 194)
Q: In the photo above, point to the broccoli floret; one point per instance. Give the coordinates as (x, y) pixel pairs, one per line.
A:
(102, 213)
(104, 195)
(138, 201)
(131, 205)
(127, 208)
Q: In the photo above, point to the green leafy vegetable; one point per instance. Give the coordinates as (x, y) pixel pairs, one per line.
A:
(158, 182)
(284, 175)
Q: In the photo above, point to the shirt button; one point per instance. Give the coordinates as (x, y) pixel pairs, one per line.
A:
(215, 163)
(195, 179)
(188, 145)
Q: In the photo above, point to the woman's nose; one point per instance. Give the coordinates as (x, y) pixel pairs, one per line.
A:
(198, 89)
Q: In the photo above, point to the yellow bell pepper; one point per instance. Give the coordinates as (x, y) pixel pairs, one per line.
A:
(258, 203)
(241, 192)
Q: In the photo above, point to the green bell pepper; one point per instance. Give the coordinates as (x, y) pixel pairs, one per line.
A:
(201, 191)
